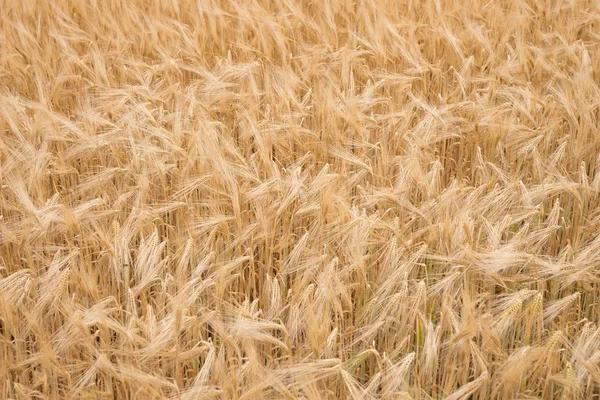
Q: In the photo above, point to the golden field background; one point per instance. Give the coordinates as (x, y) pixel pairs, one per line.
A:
(299, 199)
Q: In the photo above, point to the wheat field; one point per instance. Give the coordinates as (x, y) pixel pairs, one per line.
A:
(294, 199)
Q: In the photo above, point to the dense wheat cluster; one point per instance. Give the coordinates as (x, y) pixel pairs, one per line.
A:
(299, 199)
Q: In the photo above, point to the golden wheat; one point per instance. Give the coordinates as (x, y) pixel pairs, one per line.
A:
(299, 199)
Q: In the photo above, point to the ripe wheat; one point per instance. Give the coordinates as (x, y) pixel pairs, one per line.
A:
(299, 199)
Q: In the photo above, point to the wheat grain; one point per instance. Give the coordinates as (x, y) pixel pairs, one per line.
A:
(299, 199)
